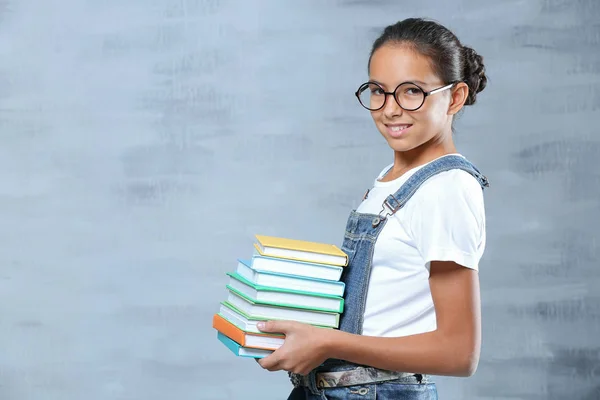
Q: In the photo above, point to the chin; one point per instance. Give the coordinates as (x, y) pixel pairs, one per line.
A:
(401, 144)
(403, 149)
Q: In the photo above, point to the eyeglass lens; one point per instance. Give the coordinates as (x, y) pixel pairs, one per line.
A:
(408, 96)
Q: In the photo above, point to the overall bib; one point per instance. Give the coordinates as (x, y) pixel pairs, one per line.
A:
(339, 379)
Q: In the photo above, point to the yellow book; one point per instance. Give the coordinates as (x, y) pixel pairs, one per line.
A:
(301, 250)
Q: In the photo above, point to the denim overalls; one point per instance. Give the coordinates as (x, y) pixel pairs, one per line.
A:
(359, 241)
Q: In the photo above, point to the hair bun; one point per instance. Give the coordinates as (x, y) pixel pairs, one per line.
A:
(474, 73)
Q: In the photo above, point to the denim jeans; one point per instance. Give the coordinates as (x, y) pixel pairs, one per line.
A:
(401, 389)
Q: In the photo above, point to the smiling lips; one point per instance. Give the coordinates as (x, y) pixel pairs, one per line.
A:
(397, 130)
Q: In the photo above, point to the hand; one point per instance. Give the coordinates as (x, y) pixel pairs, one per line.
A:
(305, 347)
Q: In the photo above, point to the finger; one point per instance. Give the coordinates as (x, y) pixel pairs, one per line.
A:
(275, 326)
(270, 362)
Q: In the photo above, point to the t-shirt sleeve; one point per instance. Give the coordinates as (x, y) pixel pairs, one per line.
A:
(447, 220)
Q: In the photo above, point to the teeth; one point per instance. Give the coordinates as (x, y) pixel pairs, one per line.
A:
(398, 128)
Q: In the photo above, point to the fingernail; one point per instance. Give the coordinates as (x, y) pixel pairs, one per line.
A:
(260, 325)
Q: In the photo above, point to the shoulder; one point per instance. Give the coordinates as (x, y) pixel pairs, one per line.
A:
(455, 182)
(455, 191)
(446, 218)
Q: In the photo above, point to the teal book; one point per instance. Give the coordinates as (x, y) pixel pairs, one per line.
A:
(250, 270)
(284, 297)
(240, 350)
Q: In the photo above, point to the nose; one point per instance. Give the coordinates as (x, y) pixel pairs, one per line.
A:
(391, 107)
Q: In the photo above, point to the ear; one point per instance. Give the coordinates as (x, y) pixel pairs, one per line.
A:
(458, 97)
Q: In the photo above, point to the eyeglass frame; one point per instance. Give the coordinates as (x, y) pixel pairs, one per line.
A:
(393, 94)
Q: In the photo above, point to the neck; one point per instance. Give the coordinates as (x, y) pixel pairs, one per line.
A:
(435, 148)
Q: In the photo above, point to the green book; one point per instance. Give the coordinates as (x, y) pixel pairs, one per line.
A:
(284, 297)
(244, 321)
(265, 311)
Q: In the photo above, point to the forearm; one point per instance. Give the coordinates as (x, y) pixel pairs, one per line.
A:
(433, 353)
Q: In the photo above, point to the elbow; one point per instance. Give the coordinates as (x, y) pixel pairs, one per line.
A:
(467, 362)
(468, 367)
(465, 358)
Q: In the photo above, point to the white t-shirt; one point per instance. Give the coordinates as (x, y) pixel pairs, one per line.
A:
(444, 220)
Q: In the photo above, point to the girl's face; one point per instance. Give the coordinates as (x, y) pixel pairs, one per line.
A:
(430, 125)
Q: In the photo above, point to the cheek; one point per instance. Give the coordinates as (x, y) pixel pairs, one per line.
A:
(377, 117)
(434, 114)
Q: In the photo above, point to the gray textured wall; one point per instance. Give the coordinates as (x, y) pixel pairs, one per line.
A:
(145, 142)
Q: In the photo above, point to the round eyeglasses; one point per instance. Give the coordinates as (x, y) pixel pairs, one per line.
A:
(408, 95)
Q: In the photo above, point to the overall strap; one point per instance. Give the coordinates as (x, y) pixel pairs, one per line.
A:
(397, 200)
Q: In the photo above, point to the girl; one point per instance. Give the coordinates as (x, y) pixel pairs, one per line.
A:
(412, 306)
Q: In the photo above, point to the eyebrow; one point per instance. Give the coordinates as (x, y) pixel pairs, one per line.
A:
(410, 80)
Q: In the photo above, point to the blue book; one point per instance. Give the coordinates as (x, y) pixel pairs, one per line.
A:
(240, 350)
(292, 275)
(296, 267)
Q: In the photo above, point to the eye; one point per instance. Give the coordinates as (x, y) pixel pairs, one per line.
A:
(373, 89)
(412, 91)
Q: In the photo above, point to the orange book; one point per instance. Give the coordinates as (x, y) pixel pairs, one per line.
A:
(266, 341)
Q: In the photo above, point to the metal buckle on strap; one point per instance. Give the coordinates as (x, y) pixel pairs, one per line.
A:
(381, 216)
(486, 182)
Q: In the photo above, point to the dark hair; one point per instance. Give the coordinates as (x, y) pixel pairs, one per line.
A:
(451, 61)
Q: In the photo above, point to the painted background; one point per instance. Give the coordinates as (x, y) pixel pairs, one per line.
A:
(145, 142)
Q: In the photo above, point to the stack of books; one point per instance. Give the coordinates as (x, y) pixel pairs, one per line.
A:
(284, 279)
